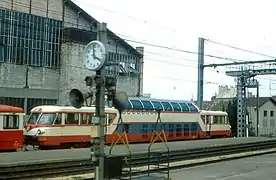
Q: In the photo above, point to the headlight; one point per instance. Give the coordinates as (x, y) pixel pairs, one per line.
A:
(38, 131)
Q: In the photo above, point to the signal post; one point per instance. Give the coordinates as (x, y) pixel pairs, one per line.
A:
(94, 59)
(99, 143)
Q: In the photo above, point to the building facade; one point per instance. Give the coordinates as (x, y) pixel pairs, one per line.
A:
(41, 46)
(267, 118)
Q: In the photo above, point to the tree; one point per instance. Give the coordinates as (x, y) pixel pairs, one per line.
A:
(232, 115)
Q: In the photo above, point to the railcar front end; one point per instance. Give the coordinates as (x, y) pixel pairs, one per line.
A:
(11, 128)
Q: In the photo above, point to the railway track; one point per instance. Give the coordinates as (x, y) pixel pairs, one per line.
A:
(43, 170)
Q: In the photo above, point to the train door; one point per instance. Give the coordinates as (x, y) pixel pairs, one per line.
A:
(208, 120)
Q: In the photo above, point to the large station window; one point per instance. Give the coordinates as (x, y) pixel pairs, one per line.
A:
(176, 107)
(184, 107)
(147, 105)
(167, 106)
(157, 105)
(136, 104)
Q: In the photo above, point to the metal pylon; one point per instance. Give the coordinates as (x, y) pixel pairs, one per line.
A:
(241, 106)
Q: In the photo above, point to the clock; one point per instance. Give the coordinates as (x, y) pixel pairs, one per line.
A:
(94, 55)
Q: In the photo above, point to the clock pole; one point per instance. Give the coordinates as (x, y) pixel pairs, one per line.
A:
(100, 106)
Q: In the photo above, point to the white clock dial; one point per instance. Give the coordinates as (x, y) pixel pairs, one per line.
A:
(94, 55)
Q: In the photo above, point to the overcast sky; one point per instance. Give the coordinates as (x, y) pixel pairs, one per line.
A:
(178, 24)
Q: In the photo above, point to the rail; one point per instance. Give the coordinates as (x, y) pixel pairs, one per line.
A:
(44, 170)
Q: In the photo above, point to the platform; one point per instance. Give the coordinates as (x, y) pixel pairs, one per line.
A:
(253, 168)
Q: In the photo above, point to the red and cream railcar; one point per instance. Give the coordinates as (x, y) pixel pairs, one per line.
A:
(216, 123)
(11, 128)
(57, 126)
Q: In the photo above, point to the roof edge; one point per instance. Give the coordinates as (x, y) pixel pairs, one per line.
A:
(88, 17)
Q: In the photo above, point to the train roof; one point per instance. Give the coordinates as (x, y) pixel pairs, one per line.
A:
(139, 103)
(10, 109)
(55, 109)
(213, 112)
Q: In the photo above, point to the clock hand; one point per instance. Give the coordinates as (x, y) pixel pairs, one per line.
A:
(97, 58)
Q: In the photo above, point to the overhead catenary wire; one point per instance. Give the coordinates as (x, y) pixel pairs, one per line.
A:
(159, 46)
(240, 49)
(173, 30)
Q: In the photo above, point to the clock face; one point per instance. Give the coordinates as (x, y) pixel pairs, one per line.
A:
(94, 55)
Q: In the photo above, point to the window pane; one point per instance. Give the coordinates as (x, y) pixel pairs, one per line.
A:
(192, 107)
(10, 122)
(184, 106)
(47, 119)
(147, 105)
(136, 104)
(157, 105)
(33, 118)
(176, 106)
(167, 106)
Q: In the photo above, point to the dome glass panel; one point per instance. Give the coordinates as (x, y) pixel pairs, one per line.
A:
(176, 107)
(167, 106)
(192, 107)
(185, 107)
(157, 105)
(147, 105)
(136, 104)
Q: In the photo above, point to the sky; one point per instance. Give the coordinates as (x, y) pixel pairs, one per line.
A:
(176, 24)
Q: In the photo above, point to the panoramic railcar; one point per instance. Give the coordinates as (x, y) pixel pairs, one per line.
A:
(11, 128)
(58, 126)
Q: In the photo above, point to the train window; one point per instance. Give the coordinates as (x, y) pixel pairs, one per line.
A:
(33, 118)
(167, 106)
(109, 118)
(85, 118)
(72, 118)
(184, 107)
(10, 122)
(192, 107)
(208, 119)
(222, 119)
(186, 129)
(215, 119)
(58, 119)
(178, 130)
(157, 105)
(203, 118)
(176, 107)
(136, 104)
(147, 105)
(226, 120)
(47, 118)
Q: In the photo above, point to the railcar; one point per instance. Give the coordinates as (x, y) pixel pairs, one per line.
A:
(11, 128)
(64, 126)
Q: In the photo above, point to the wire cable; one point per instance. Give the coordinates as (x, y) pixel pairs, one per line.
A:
(240, 49)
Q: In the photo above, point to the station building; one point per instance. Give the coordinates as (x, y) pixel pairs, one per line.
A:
(41, 46)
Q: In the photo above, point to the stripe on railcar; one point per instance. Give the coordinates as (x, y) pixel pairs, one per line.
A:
(149, 127)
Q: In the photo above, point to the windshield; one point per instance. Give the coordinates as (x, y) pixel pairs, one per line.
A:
(47, 119)
(33, 118)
